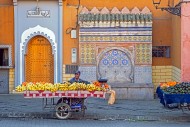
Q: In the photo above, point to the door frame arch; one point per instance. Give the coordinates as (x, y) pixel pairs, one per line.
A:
(27, 35)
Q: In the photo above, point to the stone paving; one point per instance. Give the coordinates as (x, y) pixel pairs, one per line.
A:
(15, 105)
(27, 122)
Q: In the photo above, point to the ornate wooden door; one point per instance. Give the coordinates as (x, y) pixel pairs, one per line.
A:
(39, 65)
(116, 66)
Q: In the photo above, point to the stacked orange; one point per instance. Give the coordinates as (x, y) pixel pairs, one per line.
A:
(168, 84)
(98, 84)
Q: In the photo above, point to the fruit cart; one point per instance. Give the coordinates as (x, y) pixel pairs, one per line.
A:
(70, 101)
(174, 100)
(65, 98)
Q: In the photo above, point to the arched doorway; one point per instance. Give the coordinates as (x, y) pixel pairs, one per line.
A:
(115, 65)
(39, 65)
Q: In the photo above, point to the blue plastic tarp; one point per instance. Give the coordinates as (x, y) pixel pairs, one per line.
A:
(172, 98)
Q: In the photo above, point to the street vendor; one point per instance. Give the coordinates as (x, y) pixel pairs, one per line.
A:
(77, 78)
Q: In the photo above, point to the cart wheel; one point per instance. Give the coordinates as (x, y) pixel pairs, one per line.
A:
(63, 111)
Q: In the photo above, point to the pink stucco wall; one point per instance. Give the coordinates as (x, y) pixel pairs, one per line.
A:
(185, 42)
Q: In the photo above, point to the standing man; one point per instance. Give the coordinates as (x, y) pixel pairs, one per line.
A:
(77, 78)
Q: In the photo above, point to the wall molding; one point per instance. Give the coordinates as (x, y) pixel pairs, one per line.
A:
(9, 53)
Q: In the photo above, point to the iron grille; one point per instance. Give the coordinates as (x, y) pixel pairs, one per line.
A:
(4, 57)
(71, 69)
(161, 51)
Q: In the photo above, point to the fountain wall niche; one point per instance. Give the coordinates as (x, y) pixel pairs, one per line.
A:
(117, 45)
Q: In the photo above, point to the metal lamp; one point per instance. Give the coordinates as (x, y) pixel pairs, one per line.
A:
(156, 3)
(175, 10)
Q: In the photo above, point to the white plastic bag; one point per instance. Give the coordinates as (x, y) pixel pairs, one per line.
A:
(111, 99)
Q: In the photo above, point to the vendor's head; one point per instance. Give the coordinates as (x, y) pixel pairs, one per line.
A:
(77, 74)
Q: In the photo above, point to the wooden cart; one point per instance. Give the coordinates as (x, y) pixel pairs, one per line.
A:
(181, 101)
(68, 101)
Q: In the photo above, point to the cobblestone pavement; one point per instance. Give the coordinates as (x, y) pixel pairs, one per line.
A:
(15, 105)
(25, 122)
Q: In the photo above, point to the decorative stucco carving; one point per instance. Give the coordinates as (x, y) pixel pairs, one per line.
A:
(38, 30)
(115, 17)
(145, 11)
(95, 11)
(104, 11)
(125, 10)
(135, 10)
(84, 11)
(115, 11)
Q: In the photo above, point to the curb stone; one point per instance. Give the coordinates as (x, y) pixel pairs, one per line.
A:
(95, 117)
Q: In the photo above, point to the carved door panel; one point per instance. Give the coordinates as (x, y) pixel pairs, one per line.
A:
(116, 66)
(39, 61)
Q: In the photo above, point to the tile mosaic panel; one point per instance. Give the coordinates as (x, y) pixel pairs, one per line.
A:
(88, 73)
(143, 74)
(116, 66)
(87, 54)
(110, 27)
(111, 38)
(143, 54)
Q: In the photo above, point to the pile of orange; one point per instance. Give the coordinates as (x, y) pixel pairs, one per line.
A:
(98, 84)
(168, 84)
